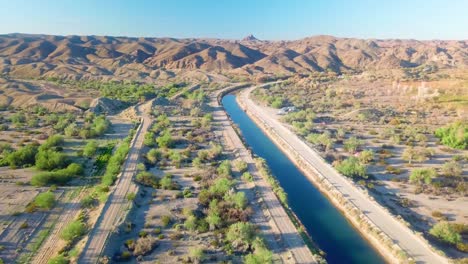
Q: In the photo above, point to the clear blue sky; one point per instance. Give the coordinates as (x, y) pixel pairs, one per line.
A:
(234, 19)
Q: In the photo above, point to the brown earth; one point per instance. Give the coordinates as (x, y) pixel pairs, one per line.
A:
(23, 55)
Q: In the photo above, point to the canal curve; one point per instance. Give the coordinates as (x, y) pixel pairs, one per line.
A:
(327, 226)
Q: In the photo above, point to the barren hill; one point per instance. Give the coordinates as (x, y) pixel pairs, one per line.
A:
(25, 55)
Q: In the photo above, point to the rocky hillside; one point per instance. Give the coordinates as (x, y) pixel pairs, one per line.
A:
(140, 58)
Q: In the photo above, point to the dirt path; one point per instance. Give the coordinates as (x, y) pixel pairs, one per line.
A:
(115, 208)
(279, 224)
(401, 234)
(50, 246)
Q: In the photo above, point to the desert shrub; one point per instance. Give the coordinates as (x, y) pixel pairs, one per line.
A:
(57, 177)
(149, 139)
(446, 232)
(277, 102)
(73, 230)
(261, 254)
(153, 156)
(352, 144)
(452, 169)
(45, 200)
(48, 159)
(166, 220)
(52, 141)
(323, 139)
(411, 154)
(131, 196)
(167, 183)
(224, 169)
(147, 178)
(240, 165)
(23, 157)
(454, 135)
(191, 222)
(59, 259)
(144, 245)
(114, 164)
(393, 170)
(196, 254)
(246, 176)
(239, 199)
(366, 156)
(214, 152)
(88, 201)
(221, 186)
(165, 140)
(351, 167)
(422, 175)
(241, 235)
(90, 148)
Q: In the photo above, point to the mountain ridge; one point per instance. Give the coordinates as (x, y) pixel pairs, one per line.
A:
(39, 55)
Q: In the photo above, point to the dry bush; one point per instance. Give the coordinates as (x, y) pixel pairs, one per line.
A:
(144, 245)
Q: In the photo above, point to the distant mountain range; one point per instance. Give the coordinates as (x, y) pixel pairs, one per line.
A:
(125, 57)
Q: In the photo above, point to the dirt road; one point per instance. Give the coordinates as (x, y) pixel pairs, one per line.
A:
(401, 234)
(281, 226)
(117, 204)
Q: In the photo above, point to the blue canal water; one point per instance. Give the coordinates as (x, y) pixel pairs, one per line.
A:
(326, 225)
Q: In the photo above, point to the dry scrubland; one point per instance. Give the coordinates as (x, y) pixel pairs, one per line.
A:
(195, 201)
(384, 112)
(59, 165)
(403, 138)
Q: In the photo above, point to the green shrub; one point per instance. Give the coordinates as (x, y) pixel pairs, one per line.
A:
(224, 169)
(445, 232)
(49, 159)
(59, 259)
(422, 175)
(23, 157)
(454, 135)
(351, 167)
(45, 200)
(90, 148)
(73, 231)
(147, 178)
(165, 140)
(57, 177)
(246, 176)
(166, 220)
